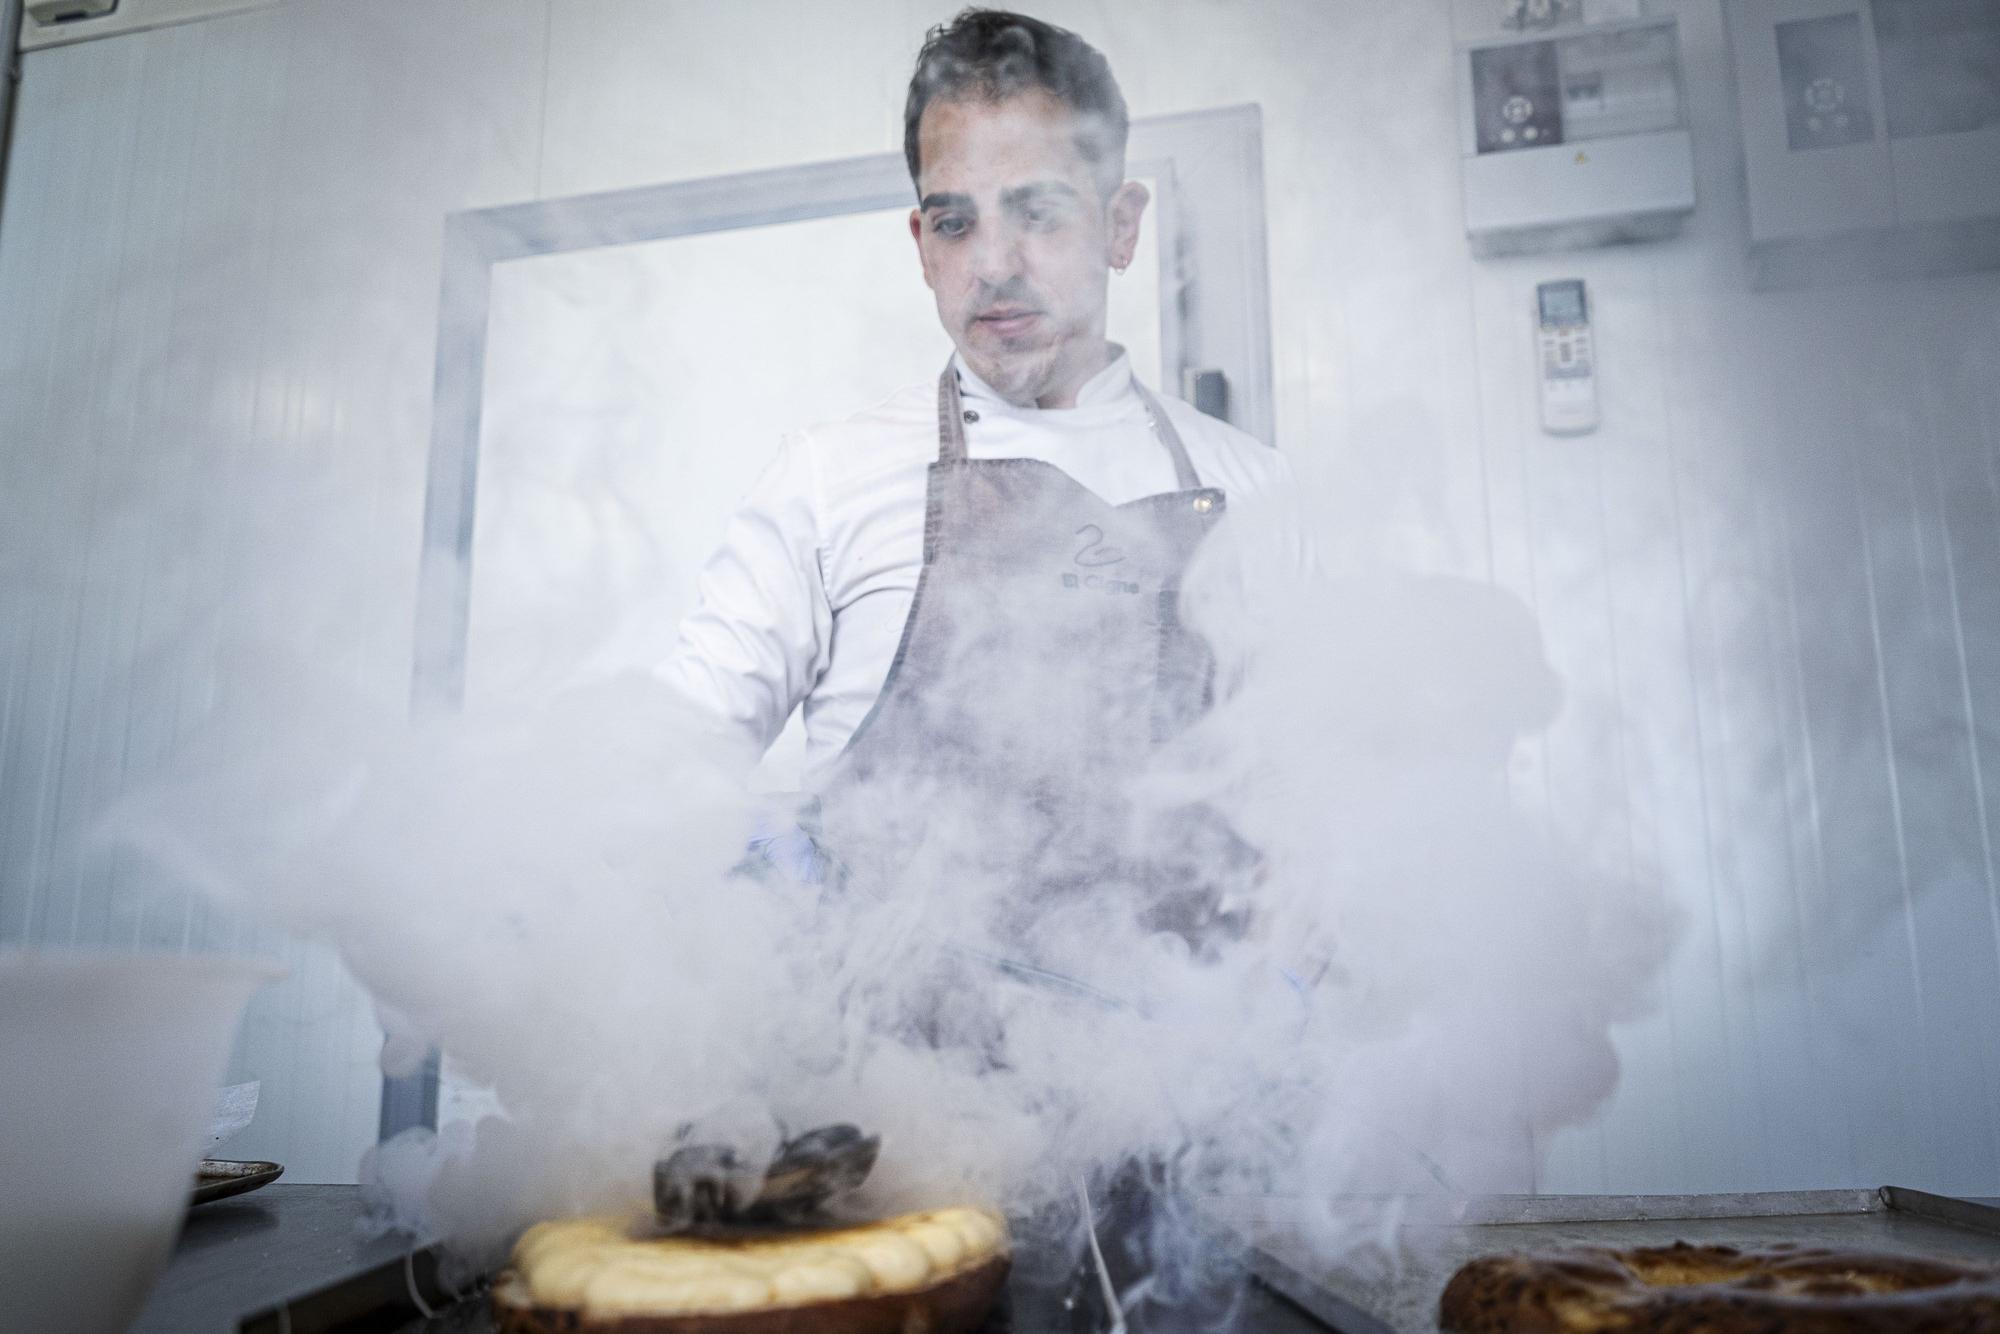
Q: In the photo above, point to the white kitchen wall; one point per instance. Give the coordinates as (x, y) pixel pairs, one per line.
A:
(218, 290)
(1769, 580)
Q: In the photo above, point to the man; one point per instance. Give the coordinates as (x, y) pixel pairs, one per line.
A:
(974, 589)
(1015, 138)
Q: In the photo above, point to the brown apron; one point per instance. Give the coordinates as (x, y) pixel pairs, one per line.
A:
(1043, 658)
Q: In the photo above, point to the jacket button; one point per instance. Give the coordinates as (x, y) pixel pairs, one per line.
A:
(971, 416)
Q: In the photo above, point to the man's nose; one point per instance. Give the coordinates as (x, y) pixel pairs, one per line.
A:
(996, 255)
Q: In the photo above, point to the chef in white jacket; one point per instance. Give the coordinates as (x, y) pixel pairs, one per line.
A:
(1015, 138)
(975, 588)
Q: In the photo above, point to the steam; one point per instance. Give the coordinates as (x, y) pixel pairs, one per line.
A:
(1401, 988)
(1405, 988)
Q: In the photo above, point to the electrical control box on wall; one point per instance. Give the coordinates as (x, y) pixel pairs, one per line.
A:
(1574, 137)
(1871, 135)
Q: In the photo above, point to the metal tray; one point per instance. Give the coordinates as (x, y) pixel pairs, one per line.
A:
(1395, 1285)
(219, 1178)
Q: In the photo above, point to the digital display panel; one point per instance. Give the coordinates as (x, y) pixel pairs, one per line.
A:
(1562, 303)
(1827, 101)
(1517, 97)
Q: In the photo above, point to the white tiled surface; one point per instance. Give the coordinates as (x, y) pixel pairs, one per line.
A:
(1769, 579)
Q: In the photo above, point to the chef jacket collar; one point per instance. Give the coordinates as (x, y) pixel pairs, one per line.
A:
(1110, 388)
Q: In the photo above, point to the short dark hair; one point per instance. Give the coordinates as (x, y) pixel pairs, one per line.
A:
(991, 54)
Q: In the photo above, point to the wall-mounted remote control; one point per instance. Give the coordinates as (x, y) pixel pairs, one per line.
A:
(1568, 358)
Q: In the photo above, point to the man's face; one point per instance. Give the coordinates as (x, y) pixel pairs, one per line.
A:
(1016, 242)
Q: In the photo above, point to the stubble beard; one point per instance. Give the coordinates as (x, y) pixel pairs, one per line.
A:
(1021, 376)
(1024, 375)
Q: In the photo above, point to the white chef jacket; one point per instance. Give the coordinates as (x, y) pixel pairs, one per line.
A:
(805, 600)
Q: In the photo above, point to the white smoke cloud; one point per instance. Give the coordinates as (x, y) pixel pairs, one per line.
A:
(1409, 989)
(1408, 992)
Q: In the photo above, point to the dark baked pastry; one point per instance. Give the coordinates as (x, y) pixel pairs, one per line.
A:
(1719, 1290)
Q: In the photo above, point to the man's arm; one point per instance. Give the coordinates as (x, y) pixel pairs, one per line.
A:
(757, 638)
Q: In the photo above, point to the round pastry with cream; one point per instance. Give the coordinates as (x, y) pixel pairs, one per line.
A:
(937, 1271)
(1718, 1290)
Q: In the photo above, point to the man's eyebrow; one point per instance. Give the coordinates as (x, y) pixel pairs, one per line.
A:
(932, 201)
(1028, 194)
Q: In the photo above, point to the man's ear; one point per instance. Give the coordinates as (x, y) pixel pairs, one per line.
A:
(917, 235)
(1127, 205)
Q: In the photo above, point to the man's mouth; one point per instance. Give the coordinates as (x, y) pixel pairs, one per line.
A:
(1007, 321)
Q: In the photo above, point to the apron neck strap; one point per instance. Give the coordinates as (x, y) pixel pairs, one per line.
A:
(951, 418)
(1185, 477)
(951, 428)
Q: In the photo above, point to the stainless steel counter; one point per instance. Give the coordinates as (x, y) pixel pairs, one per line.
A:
(296, 1249)
(293, 1259)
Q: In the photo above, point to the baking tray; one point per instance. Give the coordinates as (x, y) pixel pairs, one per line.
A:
(1393, 1283)
(219, 1178)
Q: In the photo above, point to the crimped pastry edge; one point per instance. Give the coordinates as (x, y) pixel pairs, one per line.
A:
(954, 1303)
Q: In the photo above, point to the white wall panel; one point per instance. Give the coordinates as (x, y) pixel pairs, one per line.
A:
(218, 264)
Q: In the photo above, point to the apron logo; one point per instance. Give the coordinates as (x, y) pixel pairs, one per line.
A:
(1094, 555)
